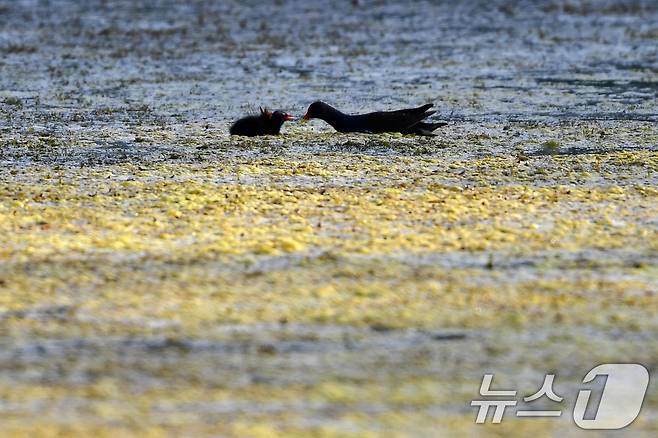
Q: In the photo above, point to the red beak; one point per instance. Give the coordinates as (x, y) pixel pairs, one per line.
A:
(288, 117)
(306, 117)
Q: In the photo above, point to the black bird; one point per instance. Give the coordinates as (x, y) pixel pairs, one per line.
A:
(405, 121)
(267, 123)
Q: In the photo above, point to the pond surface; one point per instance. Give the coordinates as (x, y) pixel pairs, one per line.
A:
(158, 277)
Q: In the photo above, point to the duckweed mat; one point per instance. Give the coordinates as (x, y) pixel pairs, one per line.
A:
(159, 278)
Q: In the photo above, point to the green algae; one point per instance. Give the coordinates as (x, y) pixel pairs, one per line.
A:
(169, 253)
(159, 278)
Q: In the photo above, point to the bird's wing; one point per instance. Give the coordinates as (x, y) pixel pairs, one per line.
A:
(419, 110)
(396, 121)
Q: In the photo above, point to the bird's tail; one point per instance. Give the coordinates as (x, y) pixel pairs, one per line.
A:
(422, 109)
(424, 128)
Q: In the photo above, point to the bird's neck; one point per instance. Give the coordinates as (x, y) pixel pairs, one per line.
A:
(273, 126)
(334, 117)
(276, 127)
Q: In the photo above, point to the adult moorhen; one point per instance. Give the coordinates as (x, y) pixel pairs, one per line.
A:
(405, 121)
(267, 123)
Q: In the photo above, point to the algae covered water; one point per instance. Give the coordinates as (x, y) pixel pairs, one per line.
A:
(158, 277)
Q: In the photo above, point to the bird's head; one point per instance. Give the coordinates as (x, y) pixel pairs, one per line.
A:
(315, 110)
(276, 116)
(280, 117)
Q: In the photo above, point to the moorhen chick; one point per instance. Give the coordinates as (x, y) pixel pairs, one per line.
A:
(405, 121)
(267, 123)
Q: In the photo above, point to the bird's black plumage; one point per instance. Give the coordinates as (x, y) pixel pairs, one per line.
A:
(266, 123)
(405, 121)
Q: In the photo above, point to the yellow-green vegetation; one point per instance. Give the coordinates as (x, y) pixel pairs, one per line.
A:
(177, 297)
(194, 217)
(160, 278)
